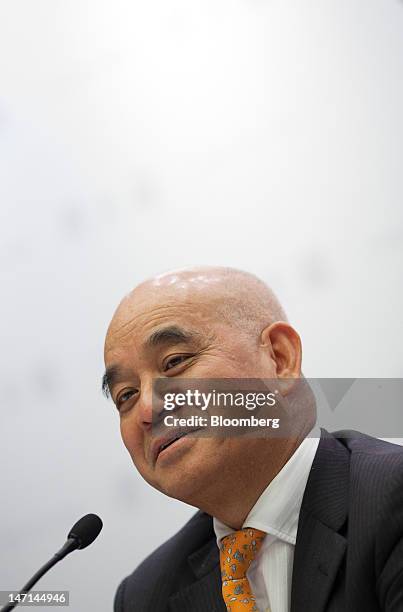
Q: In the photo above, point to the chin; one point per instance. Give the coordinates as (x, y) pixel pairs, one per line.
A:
(183, 489)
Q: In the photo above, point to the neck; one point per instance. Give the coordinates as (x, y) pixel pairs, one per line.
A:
(232, 508)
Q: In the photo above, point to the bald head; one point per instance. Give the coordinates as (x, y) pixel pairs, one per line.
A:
(232, 296)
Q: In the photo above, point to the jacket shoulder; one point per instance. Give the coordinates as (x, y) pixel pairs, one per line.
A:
(376, 482)
(376, 462)
(360, 443)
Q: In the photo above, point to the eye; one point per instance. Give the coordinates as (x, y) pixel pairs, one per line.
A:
(175, 360)
(124, 397)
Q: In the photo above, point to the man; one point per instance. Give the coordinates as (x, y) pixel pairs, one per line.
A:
(306, 523)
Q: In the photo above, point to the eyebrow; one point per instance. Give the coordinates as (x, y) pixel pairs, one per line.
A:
(169, 335)
(173, 334)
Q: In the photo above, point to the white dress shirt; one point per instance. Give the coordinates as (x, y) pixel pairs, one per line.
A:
(277, 512)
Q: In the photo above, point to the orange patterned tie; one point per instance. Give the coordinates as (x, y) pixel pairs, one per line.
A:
(237, 552)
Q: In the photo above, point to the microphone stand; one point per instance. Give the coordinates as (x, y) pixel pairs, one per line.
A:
(70, 545)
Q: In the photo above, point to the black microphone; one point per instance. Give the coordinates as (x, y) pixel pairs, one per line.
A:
(82, 534)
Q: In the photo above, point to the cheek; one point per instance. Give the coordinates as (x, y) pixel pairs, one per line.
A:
(131, 436)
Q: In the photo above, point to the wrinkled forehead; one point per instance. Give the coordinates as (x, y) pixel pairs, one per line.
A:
(144, 311)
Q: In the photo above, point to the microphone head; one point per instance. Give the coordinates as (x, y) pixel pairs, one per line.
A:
(86, 530)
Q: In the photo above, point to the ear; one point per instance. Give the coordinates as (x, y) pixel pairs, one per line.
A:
(285, 348)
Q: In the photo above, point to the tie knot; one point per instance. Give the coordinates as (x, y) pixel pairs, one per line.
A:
(237, 552)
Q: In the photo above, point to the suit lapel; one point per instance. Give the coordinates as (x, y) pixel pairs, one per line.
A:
(316, 562)
(205, 593)
(320, 546)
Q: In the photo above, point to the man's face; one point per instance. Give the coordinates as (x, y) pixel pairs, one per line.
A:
(156, 333)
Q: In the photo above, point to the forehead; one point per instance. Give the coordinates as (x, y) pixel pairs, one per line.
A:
(140, 314)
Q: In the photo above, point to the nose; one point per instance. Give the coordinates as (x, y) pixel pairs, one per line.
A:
(149, 406)
(144, 408)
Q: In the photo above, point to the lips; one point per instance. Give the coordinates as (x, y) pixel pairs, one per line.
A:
(163, 442)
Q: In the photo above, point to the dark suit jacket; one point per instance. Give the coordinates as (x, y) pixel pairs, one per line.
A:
(349, 550)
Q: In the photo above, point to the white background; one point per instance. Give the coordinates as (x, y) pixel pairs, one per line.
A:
(140, 136)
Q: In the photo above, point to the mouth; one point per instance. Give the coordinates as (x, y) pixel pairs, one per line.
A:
(162, 443)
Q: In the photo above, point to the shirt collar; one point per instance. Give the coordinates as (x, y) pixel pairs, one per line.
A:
(277, 510)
